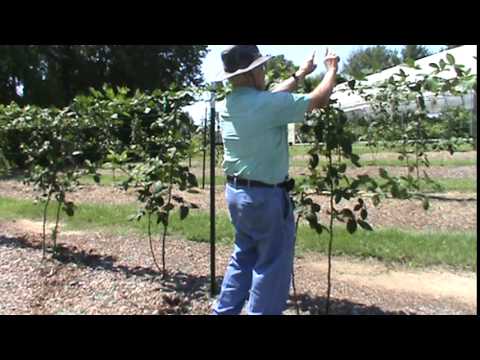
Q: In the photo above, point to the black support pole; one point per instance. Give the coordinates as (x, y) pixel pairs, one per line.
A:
(212, 194)
(204, 146)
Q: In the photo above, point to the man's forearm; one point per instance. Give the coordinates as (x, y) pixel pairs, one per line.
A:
(321, 95)
(290, 84)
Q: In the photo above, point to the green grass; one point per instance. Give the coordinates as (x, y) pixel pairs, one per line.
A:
(468, 185)
(219, 179)
(393, 162)
(416, 249)
(461, 185)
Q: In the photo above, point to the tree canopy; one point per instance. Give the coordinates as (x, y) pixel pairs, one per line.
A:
(55, 74)
(367, 61)
(414, 52)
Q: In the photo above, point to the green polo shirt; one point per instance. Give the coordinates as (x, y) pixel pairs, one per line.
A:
(255, 132)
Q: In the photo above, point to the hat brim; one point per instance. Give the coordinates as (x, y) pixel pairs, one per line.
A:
(223, 75)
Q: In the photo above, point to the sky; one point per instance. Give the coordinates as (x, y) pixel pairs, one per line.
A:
(212, 63)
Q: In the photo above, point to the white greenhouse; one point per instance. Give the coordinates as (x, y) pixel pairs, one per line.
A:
(464, 55)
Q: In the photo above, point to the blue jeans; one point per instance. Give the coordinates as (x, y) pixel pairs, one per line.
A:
(261, 265)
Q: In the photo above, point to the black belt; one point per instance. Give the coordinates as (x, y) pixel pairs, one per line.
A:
(236, 181)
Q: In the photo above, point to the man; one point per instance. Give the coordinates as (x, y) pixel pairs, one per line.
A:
(255, 136)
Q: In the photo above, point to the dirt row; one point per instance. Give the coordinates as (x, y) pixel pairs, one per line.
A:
(436, 155)
(434, 172)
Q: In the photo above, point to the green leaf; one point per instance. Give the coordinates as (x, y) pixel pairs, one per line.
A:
(158, 187)
(162, 217)
(307, 201)
(178, 199)
(168, 207)
(376, 200)
(364, 225)
(69, 208)
(311, 218)
(183, 212)
(355, 159)
(383, 173)
(338, 196)
(96, 178)
(192, 180)
(347, 213)
(459, 71)
(451, 59)
(363, 214)
(314, 160)
(194, 206)
(351, 226)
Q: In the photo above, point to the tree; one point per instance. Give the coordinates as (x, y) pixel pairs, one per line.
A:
(414, 52)
(55, 74)
(279, 69)
(19, 65)
(367, 61)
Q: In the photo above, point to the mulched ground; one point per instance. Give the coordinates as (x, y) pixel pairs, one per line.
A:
(101, 273)
(435, 172)
(98, 273)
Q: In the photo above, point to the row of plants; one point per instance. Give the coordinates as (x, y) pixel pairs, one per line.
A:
(333, 139)
(147, 138)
